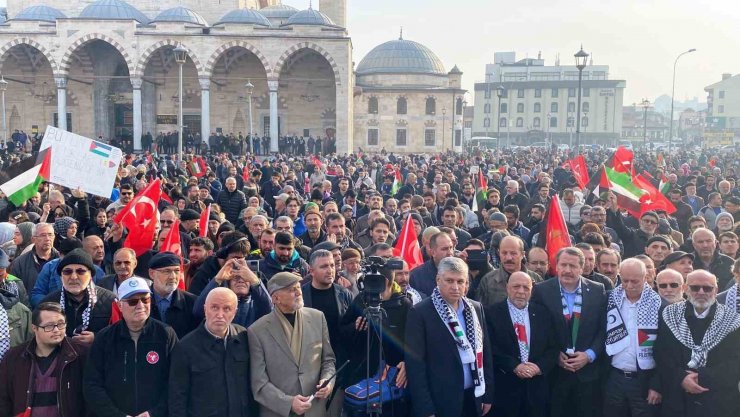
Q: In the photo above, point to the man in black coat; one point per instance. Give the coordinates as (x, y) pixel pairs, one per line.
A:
(574, 303)
(634, 240)
(449, 375)
(171, 305)
(522, 387)
(231, 201)
(216, 354)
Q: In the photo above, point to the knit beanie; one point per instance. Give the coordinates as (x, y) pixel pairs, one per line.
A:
(79, 257)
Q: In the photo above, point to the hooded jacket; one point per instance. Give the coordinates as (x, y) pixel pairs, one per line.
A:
(19, 318)
(270, 266)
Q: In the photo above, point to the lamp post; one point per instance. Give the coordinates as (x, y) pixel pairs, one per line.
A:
(181, 55)
(444, 117)
(673, 92)
(250, 89)
(645, 103)
(462, 125)
(581, 57)
(500, 93)
(3, 87)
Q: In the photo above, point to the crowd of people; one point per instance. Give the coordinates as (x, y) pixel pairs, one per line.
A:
(255, 315)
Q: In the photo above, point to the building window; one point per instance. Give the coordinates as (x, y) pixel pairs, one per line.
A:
(553, 107)
(536, 122)
(520, 93)
(459, 107)
(487, 122)
(554, 93)
(504, 108)
(487, 91)
(430, 137)
(584, 121)
(585, 106)
(720, 108)
(553, 122)
(502, 122)
(431, 106)
(401, 106)
(519, 122)
(487, 108)
(400, 137)
(372, 137)
(722, 94)
(571, 92)
(372, 105)
(520, 108)
(586, 92)
(505, 93)
(537, 107)
(571, 107)
(571, 121)
(537, 92)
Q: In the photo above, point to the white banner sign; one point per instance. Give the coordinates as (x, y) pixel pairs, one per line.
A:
(80, 162)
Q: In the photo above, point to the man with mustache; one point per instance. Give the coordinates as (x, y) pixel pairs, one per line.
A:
(171, 305)
(492, 287)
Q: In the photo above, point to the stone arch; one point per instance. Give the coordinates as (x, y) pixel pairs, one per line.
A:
(307, 45)
(30, 42)
(211, 64)
(144, 58)
(67, 57)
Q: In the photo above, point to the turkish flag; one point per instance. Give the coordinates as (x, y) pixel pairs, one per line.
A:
(579, 170)
(203, 223)
(654, 199)
(173, 244)
(621, 161)
(140, 217)
(407, 246)
(556, 233)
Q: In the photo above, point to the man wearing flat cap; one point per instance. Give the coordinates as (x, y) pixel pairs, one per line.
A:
(171, 305)
(657, 248)
(290, 354)
(679, 261)
(189, 220)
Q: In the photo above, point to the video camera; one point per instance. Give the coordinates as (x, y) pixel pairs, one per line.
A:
(372, 281)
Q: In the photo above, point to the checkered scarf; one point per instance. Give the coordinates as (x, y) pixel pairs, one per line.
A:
(10, 286)
(92, 299)
(576, 316)
(733, 296)
(518, 317)
(4, 332)
(724, 322)
(647, 325)
(472, 355)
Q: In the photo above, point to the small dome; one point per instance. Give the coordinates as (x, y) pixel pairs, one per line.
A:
(279, 11)
(310, 17)
(401, 56)
(245, 16)
(40, 13)
(181, 14)
(113, 10)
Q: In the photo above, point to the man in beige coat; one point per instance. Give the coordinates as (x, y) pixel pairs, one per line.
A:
(291, 354)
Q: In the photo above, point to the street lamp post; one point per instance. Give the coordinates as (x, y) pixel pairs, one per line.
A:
(250, 89)
(499, 93)
(444, 118)
(181, 55)
(673, 92)
(581, 58)
(462, 125)
(645, 103)
(3, 87)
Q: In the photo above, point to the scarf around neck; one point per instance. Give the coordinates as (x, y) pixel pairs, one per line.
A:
(575, 317)
(92, 299)
(617, 337)
(293, 333)
(733, 298)
(4, 332)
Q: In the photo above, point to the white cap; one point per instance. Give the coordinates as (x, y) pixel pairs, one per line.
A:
(132, 286)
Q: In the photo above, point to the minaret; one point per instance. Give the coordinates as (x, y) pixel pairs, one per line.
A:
(336, 10)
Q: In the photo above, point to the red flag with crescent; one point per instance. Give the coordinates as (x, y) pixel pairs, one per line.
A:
(140, 217)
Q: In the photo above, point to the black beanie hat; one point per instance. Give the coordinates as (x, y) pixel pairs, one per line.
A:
(77, 256)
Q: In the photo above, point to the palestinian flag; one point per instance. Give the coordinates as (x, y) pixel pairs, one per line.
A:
(664, 185)
(396, 182)
(482, 192)
(628, 194)
(22, 180)
(647, 337)
(197, 167)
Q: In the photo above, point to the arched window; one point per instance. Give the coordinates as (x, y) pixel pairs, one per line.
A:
(519, 122)
(537, 107)
(536, 122)
(487, 108)
(502, 122)
(372, 105)
(431, 107)
(401, 106)
(584, 121)
(487, 122)
(553, 107)
(553, 122)
(520, 108)
(504, 108)
(585, 106)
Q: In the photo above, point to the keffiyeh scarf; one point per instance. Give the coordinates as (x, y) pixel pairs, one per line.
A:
(617, 337)
(518, 319)
(724, 322)
(575, 317)
(4, 332)
(471, 355)
(92, 299)
(733, 298)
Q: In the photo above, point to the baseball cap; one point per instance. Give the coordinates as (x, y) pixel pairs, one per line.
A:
(132, 286)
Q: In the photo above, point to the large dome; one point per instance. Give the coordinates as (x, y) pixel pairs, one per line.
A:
(310, 17)
(180, 14)
(401, 57)
(279, 11)
(40, 13)
(113, 10)
(245, 16)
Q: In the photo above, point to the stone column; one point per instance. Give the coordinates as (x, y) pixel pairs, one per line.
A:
(136, 84)
(274, 121)
(61, 102)
(205, 108)
(343, 120)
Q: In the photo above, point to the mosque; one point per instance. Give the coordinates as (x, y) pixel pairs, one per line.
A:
(109, 68)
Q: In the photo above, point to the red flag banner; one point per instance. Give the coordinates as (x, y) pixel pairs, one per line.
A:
(653, 199)
(621, 160)
(556, 233)
(172, 243)
(140, 216)
(203, 223)
(579, 170)
(407, 246)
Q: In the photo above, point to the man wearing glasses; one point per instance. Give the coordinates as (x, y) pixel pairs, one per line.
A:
(44, 373)
(127, 194)
(634, 240)
(127, 371)
(171, 305)
(671, 285)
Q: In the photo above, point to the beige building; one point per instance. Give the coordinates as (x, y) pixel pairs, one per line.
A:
(723, 104)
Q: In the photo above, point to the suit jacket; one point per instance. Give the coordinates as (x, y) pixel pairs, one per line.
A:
(433, 365)
(592, 330)
(543, 351)
(276, 376)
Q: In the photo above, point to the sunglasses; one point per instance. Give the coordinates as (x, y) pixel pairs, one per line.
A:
(127, 193)
(133, 302)
(672, 285)
(706, 288)
(78, 271)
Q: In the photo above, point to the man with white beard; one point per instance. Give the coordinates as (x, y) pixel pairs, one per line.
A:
(170, 304)
(696, 353)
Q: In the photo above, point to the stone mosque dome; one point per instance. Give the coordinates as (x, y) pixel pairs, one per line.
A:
(310, 17)
(39, 13)
(279, 11)
(401, 56)
(245, 16)
(182, 15)
(113, 10)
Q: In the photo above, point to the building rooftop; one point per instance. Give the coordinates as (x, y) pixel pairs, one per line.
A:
(309, 17)
(180, 14)
(401, 56)
(39, 13)
(113, 10)
(245, 16)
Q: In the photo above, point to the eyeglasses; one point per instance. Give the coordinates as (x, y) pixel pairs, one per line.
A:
(79, 271)
(127, 193)
(671, 284)
(706, 288)
(166, 222)
(133, 302)
(48, 328)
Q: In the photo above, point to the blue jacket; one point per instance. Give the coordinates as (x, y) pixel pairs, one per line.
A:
(49, 281)
(248, 310)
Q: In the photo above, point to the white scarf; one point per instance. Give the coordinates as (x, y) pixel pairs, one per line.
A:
(617, 338)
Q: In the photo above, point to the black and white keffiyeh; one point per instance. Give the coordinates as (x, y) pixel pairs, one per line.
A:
(724, 322)
(4, 332)
(91, 300)
(617, 338)
(733, 298)
(473, 333)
